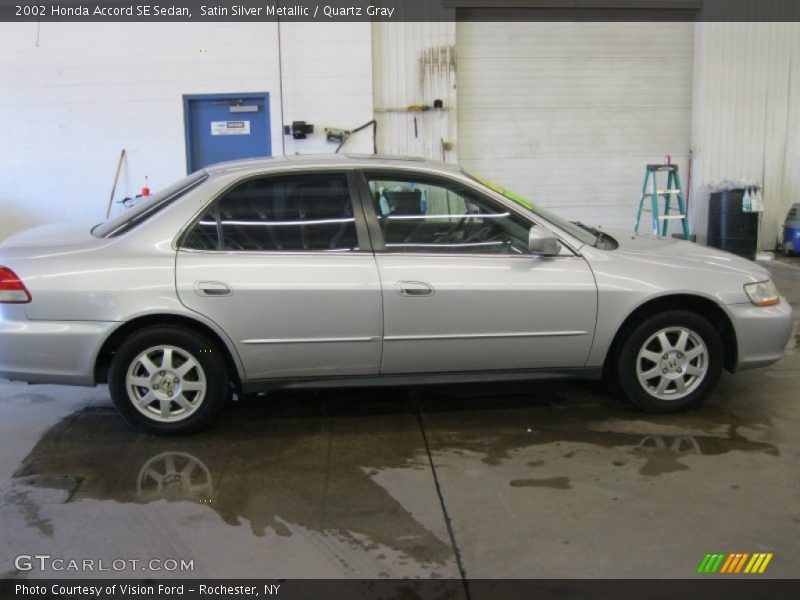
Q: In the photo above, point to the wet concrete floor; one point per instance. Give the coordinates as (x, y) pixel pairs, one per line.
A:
(530, 480)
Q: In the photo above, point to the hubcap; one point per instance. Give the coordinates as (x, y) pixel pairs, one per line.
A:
(166, 384)
(672, 363)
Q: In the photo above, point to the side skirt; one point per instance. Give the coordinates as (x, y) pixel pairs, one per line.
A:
(263, 385)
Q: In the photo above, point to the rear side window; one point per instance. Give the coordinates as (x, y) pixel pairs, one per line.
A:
(291, 213)
(147, 208)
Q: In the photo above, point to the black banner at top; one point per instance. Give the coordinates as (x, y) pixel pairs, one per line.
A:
(332, 11)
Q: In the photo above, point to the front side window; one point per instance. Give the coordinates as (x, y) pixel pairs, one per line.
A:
(439, 217)
(291, 213)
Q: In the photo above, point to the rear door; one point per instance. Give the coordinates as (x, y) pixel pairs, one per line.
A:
(460, 290)
(283, 264)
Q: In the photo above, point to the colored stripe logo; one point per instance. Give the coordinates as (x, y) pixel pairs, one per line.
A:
(735, 563)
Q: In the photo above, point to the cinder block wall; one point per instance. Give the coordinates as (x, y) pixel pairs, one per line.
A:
(72, 95)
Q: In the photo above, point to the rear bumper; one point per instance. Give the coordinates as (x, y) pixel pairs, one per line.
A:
(762, 333)
(61, 352)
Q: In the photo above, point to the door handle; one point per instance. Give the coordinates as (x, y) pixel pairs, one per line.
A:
(414, 289)
(212, 288)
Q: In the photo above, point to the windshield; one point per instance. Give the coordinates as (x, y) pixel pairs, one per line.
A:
(575, 230)
(148, 207)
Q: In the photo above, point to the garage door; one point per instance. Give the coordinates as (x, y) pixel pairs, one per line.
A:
(568, 114)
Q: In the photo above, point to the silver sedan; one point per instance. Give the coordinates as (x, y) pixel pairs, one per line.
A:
(348, 271)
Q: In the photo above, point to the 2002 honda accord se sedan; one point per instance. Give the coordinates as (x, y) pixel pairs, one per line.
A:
(346, 270)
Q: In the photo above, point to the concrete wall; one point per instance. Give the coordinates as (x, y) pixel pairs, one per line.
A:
(73, 95)
(746, 116)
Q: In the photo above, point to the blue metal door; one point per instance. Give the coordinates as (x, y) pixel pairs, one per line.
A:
(226, 127)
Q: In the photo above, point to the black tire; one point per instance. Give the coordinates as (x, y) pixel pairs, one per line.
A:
(674, 361)
(212, 372)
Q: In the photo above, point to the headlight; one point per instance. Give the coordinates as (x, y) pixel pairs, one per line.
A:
(762, 294)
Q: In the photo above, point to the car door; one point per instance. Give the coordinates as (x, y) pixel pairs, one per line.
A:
(282, 264)
(461, 292)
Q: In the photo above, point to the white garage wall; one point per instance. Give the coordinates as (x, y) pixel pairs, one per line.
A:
(569, 114)
(746, 121)
(415, 63)
(89, 90)
(565, 113)
(327, 81)
(69, 104)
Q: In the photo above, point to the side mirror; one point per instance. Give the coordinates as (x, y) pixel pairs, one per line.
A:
(543, 242)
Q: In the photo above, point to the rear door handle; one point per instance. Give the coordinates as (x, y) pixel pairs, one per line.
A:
(212, 289)
(414, 289)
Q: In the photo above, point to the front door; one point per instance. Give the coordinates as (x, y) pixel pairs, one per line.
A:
(282, 264)
(460, 290)
(226, 127)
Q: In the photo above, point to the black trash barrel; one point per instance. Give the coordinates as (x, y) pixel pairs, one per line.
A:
(729, 228)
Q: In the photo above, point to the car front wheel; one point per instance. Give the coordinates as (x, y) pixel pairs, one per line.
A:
(168, 380)
(670, 362)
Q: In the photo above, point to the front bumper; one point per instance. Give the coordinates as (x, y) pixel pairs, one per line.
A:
(61, 352)
(762, 333)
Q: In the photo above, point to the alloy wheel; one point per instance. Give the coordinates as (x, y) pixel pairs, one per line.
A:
(166, 384)
(672, 363)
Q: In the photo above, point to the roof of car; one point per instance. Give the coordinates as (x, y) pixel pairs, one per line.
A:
(326, 160)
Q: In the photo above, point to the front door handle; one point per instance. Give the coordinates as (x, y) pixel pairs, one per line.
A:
(414, 289)
(212, 289)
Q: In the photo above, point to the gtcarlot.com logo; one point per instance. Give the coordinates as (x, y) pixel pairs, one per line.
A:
(737, 563)
(46, 562)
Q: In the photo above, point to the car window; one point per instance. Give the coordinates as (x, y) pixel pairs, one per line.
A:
(423, 216)
(148, 206)
(289, 213)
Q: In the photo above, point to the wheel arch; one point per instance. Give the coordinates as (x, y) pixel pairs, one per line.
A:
(701, 305)
(113, 342)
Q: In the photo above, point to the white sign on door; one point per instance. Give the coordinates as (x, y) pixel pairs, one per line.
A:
(230, 127)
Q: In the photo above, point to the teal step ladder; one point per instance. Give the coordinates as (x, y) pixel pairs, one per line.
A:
(650, 189)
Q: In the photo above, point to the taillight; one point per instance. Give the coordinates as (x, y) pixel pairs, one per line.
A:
(12, 290)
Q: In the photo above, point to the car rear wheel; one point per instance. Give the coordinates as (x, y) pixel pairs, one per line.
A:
(670, 362)
(168, 380)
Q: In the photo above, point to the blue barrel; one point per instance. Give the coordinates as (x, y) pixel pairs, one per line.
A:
(791, 231)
